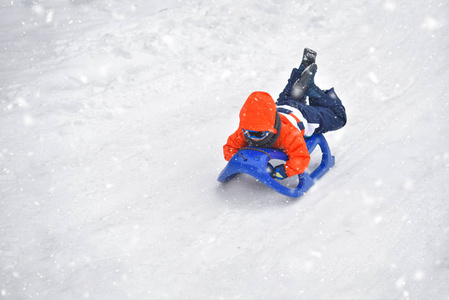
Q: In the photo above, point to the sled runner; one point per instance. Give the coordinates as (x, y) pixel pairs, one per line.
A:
(254, 162)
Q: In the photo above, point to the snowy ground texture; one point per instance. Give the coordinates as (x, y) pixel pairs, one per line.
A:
(112, 119)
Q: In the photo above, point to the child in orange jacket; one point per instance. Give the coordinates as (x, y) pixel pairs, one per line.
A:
(284, 124)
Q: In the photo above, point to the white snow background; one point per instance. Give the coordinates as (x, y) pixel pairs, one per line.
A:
(113, 118)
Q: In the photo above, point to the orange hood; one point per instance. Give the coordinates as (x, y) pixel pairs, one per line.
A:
(258, 113)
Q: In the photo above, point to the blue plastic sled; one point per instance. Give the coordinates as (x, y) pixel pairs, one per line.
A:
(254, 161)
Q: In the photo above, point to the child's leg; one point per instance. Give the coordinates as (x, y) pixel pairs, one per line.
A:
(287, 92)
(308, 58)
(326, 108)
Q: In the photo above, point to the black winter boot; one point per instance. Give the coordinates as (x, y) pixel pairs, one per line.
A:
(303, 84)
(308, 57)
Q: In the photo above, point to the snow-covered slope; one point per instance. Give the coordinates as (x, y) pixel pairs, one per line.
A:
(112, 119)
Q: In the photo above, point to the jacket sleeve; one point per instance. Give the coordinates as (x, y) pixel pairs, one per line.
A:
(295, 147)
(235, 142)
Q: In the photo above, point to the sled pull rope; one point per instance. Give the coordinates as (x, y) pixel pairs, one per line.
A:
(244, 159)
(255, 149)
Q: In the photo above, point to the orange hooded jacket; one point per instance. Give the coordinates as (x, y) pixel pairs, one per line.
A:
(259, 114)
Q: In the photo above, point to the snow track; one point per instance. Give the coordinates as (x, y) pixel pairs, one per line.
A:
(112, 119)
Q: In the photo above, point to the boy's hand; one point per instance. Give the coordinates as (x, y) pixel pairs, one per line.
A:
(279, 172)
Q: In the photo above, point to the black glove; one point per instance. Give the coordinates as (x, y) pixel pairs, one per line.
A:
(277, 172)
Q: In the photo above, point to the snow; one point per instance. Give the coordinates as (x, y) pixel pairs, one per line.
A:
(113, 117)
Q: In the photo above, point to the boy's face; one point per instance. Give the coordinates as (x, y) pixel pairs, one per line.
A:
(255, 135)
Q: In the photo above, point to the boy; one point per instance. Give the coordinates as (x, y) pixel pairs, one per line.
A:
(284, 124)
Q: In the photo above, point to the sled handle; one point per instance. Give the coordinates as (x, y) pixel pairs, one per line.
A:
(254, 161)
